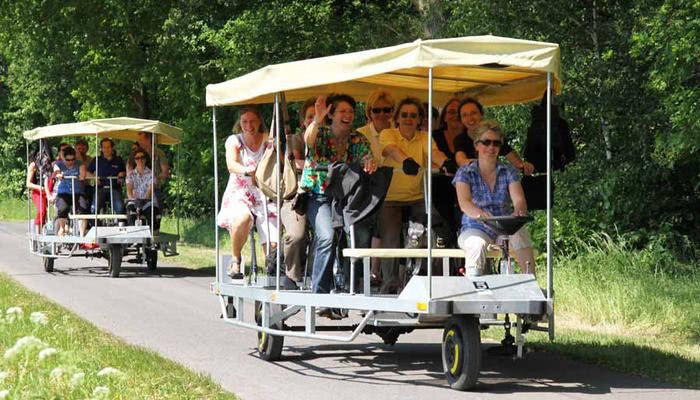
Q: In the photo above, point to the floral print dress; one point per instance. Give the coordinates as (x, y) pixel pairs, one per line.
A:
(241, 191)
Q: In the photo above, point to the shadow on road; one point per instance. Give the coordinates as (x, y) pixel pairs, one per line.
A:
(420, 364)
(131, 272)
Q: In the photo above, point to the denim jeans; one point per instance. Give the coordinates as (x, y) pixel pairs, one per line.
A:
(103, 195)
(363, 239)
(319, 216)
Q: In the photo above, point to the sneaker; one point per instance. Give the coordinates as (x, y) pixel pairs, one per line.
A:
(234, 269)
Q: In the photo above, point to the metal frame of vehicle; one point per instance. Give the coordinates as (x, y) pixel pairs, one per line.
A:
(495, 70)
(110, 242)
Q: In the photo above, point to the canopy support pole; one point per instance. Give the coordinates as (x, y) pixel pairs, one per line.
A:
(278, 144)
(429, 175)
(549, 186)
(216, 196)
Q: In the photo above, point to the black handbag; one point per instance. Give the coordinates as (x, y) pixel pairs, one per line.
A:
(300, 203)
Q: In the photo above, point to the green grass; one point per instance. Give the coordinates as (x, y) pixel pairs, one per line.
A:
(82, 350)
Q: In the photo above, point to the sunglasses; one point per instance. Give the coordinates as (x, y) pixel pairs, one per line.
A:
(489, 142)
(386, 110)
(69, 159)
(139, 158)
(409, 115)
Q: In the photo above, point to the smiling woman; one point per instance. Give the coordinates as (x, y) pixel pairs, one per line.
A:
(327, 144)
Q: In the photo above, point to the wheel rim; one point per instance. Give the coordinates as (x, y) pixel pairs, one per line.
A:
(262, 341)
(452, 343)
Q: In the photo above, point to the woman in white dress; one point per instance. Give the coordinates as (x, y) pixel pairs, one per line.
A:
(243, 202)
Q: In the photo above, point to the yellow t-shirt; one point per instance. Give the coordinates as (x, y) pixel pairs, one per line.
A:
(406, 187)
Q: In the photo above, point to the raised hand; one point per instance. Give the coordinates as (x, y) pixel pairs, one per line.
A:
(321, 109)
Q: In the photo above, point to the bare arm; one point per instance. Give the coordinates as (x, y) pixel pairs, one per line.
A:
(462, 159)
(233, 161)
(395, 153)
(130, 191)
(321, 110)
(518, 163)
(517, 196)
(464, 197)
(31, 170)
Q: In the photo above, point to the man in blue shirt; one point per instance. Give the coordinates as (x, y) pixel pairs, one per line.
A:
(108, 164)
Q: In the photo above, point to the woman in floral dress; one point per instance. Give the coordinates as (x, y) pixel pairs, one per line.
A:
(243, 203)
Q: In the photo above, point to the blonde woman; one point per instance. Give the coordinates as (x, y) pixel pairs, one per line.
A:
(487, 187)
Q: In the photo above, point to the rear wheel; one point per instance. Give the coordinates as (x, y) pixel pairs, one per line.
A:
(115, 260)
(461, 352)
(48, 264)
(269, 346)
(151, 259)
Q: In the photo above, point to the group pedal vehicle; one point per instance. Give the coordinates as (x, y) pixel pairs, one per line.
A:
(109, 235)
(496, 71)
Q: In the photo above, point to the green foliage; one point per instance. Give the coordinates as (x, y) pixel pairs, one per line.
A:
(630, 98)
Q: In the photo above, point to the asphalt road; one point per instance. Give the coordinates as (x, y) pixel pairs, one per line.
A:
(173, 313)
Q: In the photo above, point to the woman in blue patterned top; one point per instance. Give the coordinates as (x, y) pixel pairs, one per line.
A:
(487, 188)
(330, 137)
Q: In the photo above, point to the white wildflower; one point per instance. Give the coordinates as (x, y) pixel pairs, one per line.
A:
(25, 344)
(4, 393)
(77, 378)
(14, 313)
(3, 375)
(100, 392)
(56, 373)
(39, 318)
(109, 371)
(49, 351)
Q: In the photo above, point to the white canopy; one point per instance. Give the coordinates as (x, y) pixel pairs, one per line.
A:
(494, 69)
(115, 128)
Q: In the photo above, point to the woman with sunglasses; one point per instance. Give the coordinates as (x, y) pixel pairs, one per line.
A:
(71, 175)
(139, 187)
(379, 110)
(486, 188)
(406, 148)
(470, 114)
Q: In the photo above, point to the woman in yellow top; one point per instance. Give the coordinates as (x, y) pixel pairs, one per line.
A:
(406, 148)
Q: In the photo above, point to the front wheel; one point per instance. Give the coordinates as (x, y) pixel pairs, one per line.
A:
(151, 259)
(48, 264)
(115, 260)
(269, 346)
(461, 352)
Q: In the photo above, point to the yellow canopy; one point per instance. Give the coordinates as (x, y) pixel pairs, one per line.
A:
(494, 69)
(115, 128)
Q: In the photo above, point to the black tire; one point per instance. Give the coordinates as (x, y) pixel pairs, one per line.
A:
(115, 260)
(461, 352)
(269, 346)
(151, 259)
(48, 264)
